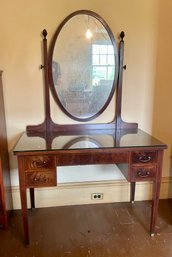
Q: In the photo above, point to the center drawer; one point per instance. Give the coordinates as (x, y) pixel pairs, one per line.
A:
(91, 158)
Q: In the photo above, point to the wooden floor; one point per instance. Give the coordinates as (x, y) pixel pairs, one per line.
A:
(101, 230)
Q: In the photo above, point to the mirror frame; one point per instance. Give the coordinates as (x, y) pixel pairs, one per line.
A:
(50, 60)
(49, 129)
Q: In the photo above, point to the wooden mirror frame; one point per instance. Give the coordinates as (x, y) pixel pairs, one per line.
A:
(49, 127)
(54, 43)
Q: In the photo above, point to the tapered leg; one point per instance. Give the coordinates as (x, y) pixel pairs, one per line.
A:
(23, 197)
(156, 192)
(24, 215)
(32, 198)
(132, 191)
(154, 211)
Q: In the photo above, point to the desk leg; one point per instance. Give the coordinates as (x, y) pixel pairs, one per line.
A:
(23, 197)
(156, 192)
(32, 198)
(154, 211)
(132, 191)
(25, 215)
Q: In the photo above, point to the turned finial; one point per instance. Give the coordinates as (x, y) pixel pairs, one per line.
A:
(44, 33)
(122, 35)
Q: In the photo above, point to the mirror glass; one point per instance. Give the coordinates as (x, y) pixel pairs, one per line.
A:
(83, 66)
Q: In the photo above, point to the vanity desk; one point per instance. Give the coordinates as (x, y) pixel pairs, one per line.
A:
(83, 80)
(139, 157)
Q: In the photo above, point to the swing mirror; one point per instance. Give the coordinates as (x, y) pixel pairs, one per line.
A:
(83, 65)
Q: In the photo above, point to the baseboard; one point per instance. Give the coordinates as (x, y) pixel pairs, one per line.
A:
(80, 193)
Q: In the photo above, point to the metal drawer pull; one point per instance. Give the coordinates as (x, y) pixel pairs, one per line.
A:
(42, 178)
(39, 163)
(144, 158)
(143, 173)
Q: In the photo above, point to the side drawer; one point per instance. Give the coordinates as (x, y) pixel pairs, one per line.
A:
(141, 173)
(42, 162)
(40, 178)
(144, 157)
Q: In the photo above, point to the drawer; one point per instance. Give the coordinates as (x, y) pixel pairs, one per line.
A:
(91, 158)
(140, 173)
(36, 162)
(144, 157)
(41, 179)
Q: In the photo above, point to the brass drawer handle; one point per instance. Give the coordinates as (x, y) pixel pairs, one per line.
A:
(42, 178)
(144, 158)
(40, 163)
(143, 173)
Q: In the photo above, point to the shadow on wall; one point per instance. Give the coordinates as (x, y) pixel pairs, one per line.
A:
(162, 117)
(13, 161)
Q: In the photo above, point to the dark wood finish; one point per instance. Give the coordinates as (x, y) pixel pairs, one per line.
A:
(132, 191)
(40, 171)
(39, 162)
(143, 165)
(37, 169)
(48, 126)
(144, 157)
(138, 162)
(32, 198)
(156, 191)
(40, 179)
(91, 157)
(5, 186)
(145, 173)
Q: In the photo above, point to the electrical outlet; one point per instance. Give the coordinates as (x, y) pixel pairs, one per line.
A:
(97, 196)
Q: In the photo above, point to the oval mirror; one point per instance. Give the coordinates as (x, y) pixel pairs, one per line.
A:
(83, 65)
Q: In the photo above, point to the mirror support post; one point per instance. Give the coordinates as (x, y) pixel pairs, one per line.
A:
(46, 82)
(120, 79)
(44, 127)
(120, 124)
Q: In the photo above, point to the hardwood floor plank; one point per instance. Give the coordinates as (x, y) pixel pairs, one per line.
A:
(101, 230)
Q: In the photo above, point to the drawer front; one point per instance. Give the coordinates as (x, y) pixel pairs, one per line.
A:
(41, 179)
(92, 158)
(140, 173)
(42, 162)
(144, 157)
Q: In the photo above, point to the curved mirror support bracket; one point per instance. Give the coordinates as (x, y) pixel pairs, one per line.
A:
(101, 68)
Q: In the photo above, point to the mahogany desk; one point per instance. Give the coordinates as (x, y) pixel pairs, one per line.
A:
(138, 155)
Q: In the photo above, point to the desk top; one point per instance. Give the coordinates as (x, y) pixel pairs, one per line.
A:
(100, 140)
